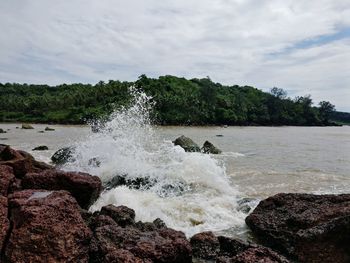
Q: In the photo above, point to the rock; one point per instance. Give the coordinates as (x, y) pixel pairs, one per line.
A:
(4, 222)
(2, 131)
(49, 129)
(208, 147)
(7, 178)
(205, 245)
(27, 126)
(135, 183)
(84, 187)
(187, 144)
(47, 227)
(41, 148)
(20, 161)
(94, 162)
(63, 155)
(310, 228)
(112, 243)
(40, 131)
(122, 215)
(246, 204)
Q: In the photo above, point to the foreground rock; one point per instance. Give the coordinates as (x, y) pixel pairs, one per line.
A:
(7, 178)
(207, 246)
(208, 147)
(84, 187)
(311, 228)
(4, 222)
(135, 242)
(187, 144)
(27, 126)
(63, 155)
(20, 161)
(47, 227)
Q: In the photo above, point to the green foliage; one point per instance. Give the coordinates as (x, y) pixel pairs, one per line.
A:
(177, 101)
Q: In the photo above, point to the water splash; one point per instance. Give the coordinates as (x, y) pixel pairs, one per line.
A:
(189, 191)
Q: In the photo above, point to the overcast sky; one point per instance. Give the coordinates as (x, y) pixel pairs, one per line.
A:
(298, 45)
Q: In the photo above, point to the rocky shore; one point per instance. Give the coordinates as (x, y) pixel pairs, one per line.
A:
(44, 217)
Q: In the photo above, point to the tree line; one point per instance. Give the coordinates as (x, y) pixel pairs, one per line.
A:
(178, 101)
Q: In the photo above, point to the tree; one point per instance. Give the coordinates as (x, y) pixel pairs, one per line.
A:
(278, 93)
(325, 111)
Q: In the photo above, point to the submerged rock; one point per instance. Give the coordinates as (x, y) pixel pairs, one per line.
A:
(208, 147)
(187, 144)
(63, 155)
(84, 187)
(2, 131)
(47, 227)
(41, 148)
(134, 183)
(27, 126)
(310, 228)
(49, 129)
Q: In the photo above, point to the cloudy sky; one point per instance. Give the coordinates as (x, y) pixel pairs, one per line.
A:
(300, 46)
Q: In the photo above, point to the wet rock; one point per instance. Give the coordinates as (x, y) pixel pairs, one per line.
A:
(4, 222)
(205, 245)
(47, 227)
(49, 129)
(135, 183)
(187, 144)
(122, 215)
(311, 228)
(245, 204)
(208, 147)
(41, 148)
(40, 131)
(94, 162)
(84, 187)
(27, 126)
(2, 131)
(63, 155)
(162, 246)
(7, 178)
(20, 161)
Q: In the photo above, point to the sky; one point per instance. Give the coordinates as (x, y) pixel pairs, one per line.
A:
(300, 46)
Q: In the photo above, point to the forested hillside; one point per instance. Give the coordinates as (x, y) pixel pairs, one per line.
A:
(178, 101)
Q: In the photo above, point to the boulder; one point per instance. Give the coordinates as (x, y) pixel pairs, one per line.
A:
(310, 228)
(84, 187)
(7, 178)
(208, 147)
(20, 161)
(46, 227)
(187, 144)
(205, 245)
(2, 131)
(113, 243)
(27, 126)
(49, 129)
(63, 155)
(122, 215)
(41, 148)
(4, 222)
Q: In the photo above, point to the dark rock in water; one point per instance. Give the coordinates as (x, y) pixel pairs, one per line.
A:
(208, 147)
(7, 178)
(47, 227)
(63, 155)
(41, 148)
(219, 135)
(84, 187)
(27, 126)
(95, 162)
(122, 215)
(205, 245)
(40, 131)
(20, 161)
(311, 228)
(2, 131)
(187, 144)
(4, 222)
(49, 129)
(246, 204)
(112, 243)
(135, 183)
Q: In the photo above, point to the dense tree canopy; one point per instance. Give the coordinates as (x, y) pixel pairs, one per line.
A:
(177, 101)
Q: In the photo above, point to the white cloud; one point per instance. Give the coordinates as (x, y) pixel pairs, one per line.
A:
(235, 42)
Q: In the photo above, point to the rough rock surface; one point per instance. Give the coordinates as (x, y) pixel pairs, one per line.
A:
(205, 245)
(7, 178)
(4, 222)
(208, 147)
(187, 144)
(122, 215)
(311, 228)
(63, 155)
(84, 187)
(47, 227)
